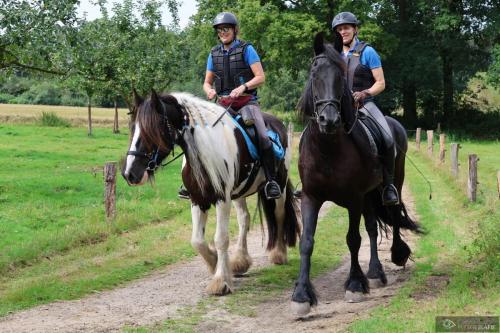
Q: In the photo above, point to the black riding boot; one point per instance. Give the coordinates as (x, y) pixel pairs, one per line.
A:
(390, 193)
(271, 189)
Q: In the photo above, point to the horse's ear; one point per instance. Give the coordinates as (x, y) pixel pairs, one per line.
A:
(155, 100)
(338, 44)
(319, 43)
(137, 99)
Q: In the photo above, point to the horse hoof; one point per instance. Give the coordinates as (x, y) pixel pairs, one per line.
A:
(278, 257)
(301, 309)
(354, 297)
(375, 283)
(218, 287)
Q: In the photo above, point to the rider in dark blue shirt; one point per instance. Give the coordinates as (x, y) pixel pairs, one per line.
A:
(365, 78)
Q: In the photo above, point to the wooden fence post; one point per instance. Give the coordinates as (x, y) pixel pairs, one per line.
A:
(439, 128)
(498, 183)
(454, 159)
(110, 190)
(430, 142)
(442, 147)
(472, 182)
(290, 137)
(417, 138)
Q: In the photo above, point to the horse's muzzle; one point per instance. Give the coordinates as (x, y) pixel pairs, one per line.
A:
(328, 126)
(133, 179)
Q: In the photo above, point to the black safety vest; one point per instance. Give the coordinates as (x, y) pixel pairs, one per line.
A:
(230, 69)
(359, 76)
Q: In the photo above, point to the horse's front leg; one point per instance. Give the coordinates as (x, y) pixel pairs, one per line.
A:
(222, 283)
(199, 220)
(357, 283)
(304, 296)
(240, 262)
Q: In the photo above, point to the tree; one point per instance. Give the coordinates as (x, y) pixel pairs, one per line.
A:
(34, 34)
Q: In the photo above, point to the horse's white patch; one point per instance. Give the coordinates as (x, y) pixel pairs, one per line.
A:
(214, 147)
(133, 147)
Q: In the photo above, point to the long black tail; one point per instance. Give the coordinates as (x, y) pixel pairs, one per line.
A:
(290, 225)
(383, 216)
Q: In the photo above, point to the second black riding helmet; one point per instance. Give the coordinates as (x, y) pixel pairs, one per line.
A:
(344, 18)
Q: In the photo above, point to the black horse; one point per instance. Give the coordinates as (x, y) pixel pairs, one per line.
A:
(335, 166)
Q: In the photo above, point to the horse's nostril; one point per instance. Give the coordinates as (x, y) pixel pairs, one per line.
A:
(321, 118)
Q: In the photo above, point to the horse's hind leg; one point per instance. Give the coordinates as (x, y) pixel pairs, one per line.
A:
(240, 262)
(376, 276)
(357, 284)
(199, 218)
(222, 283)
(278, 254)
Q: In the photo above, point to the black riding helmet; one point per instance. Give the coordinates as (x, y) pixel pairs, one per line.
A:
(225, 18)
(344, 18)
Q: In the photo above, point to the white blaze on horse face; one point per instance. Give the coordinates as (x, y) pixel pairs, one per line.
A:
(133, 147)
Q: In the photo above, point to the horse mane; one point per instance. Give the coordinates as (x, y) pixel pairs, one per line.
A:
(305, 105)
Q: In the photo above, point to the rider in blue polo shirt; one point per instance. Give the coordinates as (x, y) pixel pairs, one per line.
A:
(365, 78)
(234, 72)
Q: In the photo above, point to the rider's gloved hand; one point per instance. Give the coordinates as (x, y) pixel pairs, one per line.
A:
(360, 96)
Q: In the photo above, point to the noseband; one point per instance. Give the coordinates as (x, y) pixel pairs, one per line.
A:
(172, 134)
(321, 104)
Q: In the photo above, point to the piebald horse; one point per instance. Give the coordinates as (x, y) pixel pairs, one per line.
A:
(218, 169)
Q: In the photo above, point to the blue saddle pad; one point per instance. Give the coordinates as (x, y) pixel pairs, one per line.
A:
(279, 152)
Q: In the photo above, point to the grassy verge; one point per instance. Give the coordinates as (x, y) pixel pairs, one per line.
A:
(457, 263)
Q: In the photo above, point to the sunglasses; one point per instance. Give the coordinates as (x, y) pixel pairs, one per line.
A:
(223, 29)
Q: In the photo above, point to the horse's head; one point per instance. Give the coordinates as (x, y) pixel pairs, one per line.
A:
(155, 127)
(325, 87)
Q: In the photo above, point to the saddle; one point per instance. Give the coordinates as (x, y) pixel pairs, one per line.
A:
(250, 135)
(372, 130)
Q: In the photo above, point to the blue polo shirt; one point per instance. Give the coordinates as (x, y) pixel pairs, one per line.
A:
(369, 57)
(250, 55)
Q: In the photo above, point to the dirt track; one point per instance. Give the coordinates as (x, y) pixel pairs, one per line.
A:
(159, 296)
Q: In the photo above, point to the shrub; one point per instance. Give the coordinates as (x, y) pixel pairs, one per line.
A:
(50, 119)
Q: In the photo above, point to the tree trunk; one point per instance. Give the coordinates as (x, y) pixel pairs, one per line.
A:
(115, 123)
(90, 116)
(448, 107)
(408, 86)
(410, 104)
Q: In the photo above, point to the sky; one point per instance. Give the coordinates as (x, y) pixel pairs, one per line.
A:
(187, 9)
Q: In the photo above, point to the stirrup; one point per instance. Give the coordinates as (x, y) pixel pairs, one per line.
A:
(390, 201)
(272, 190)
(183, 193)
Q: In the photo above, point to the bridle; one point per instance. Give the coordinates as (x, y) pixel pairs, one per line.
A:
(154, 158)
(321, 104)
